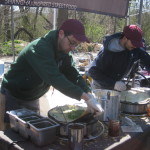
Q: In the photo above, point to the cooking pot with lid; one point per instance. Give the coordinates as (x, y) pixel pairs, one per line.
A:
(89, 128)
(133, 108)
(135, 101)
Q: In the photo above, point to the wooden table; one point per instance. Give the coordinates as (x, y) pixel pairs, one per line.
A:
(131, 141)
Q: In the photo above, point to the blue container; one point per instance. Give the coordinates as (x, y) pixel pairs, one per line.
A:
(1, 68)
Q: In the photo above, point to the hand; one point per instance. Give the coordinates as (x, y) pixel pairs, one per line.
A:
(95, 112)
(120, 86)
(94, 106)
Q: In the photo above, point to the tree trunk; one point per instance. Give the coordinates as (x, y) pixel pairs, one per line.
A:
(35, 18)
(50, 25)
(25, 17)
(62, 16)
(1, 22)
(6, 23)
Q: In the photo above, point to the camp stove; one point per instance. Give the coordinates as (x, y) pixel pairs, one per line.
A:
(93, 128)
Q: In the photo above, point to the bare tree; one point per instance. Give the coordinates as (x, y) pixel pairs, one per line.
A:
(62, 16)
(24, 13)
(1, 20)
(50, 25)
(25, 31)
(35, 18)
(7, 23)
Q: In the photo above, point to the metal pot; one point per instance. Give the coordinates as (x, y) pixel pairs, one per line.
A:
(105, 94)
(89, 128)
(87, 119)
(133, 108)
(110, 101)
(135, 100)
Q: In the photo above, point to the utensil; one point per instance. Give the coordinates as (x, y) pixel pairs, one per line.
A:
(63, 113)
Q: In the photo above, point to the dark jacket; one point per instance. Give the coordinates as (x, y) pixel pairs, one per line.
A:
(41, 65)
(110, 67)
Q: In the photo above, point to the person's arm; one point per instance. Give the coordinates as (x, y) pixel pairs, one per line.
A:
(96, 72)
(72, 74)
(100, 78)
(145, 58)
(42, 59)
(93, 106)
(85, 96)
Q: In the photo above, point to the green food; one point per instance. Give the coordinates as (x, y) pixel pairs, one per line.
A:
(74, 114)
(67, 113)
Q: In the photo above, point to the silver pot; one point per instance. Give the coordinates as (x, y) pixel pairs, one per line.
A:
(135, 101)
(110, 101)
(133, 108)
(89, 128)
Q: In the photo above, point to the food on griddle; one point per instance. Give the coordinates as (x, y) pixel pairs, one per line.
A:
(67, 113)
(74, 114)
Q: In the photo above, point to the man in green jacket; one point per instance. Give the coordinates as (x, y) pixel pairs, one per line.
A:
(46, 62)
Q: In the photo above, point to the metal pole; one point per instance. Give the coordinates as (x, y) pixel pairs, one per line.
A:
(75, 14)
(115, 24)
(54, 19)
(140, 12)
(128, 17)
(12, 32)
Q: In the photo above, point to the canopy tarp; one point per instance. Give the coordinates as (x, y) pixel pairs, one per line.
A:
(116, 8)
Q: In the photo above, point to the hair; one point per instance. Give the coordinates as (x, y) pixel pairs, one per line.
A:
(66, 33)
(122, 35)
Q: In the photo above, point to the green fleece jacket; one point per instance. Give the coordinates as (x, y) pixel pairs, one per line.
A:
(39, 66)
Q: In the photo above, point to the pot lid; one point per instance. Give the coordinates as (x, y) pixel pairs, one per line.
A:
(136, 95)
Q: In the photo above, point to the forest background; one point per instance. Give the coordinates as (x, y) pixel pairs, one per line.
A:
(31, 23)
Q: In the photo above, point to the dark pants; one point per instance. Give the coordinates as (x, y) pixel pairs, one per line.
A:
(12, 103)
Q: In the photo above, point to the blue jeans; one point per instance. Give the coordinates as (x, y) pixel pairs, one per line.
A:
(13, 103)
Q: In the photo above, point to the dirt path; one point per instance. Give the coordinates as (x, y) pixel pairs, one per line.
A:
(6, 58)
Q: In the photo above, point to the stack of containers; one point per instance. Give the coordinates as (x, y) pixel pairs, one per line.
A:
(41, 130)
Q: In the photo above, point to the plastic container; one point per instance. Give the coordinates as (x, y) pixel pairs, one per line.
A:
(1, 68)
(148, 110)
(114, 128)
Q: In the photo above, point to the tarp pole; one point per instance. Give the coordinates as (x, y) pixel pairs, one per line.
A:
(54, 19)
(12, 31)
(140, 12)
(128, 16)
(75, 14)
